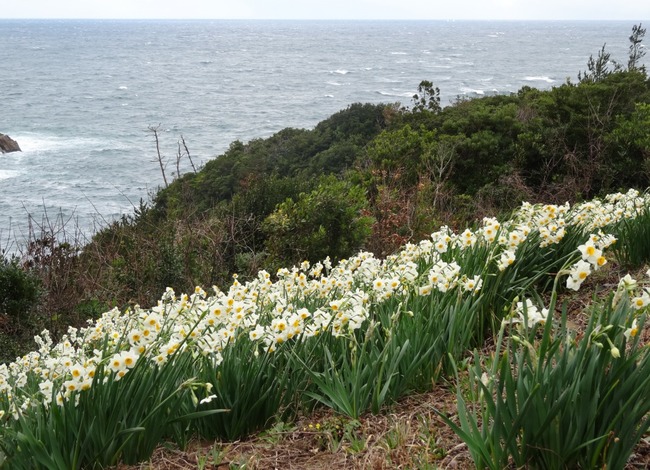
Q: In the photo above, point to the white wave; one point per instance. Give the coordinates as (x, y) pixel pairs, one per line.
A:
(472, 91)
(542, 78)
(6, 174)
(399, 95)
(123, 87)
(341, 71)
(329, 96)
(334, 83)
(399, 53)
(45, 142)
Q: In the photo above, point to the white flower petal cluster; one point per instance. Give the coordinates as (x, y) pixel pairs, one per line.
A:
(528, 312)
(639, 294)
(592, 259)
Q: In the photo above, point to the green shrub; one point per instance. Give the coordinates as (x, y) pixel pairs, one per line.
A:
(328, 221)
(19, 291)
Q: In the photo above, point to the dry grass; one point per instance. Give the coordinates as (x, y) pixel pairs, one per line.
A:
(408, 435)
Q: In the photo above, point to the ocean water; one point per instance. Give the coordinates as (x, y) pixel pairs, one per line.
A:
(79, 96)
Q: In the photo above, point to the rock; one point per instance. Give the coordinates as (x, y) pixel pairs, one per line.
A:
(7, 144)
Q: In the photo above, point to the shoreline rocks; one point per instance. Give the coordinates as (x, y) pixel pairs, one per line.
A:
(7, 144)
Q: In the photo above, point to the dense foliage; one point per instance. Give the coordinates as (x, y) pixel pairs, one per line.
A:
(20, 293)
(416, 170)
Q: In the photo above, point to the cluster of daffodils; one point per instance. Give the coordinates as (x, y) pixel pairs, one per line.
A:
(638, 293)
(444, 276)
(302, 302)
(597, 214)
(638, 296)
(591, 259)
(641, 299)
(548, 220)
(527, 313)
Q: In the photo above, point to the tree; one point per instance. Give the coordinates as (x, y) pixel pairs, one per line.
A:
(439, 162)
(636, 49)
(427, 98)
(598, 68)
(398, 153)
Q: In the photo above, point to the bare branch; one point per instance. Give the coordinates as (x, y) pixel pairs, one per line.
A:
(179, 155)
(187, 152)
(161, 162)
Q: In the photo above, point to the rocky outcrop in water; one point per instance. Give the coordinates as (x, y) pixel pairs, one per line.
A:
(7, 144)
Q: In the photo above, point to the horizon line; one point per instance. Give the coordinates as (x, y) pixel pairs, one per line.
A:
(318, 19)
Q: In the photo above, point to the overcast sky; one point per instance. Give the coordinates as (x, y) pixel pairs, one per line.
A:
(633, 10)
